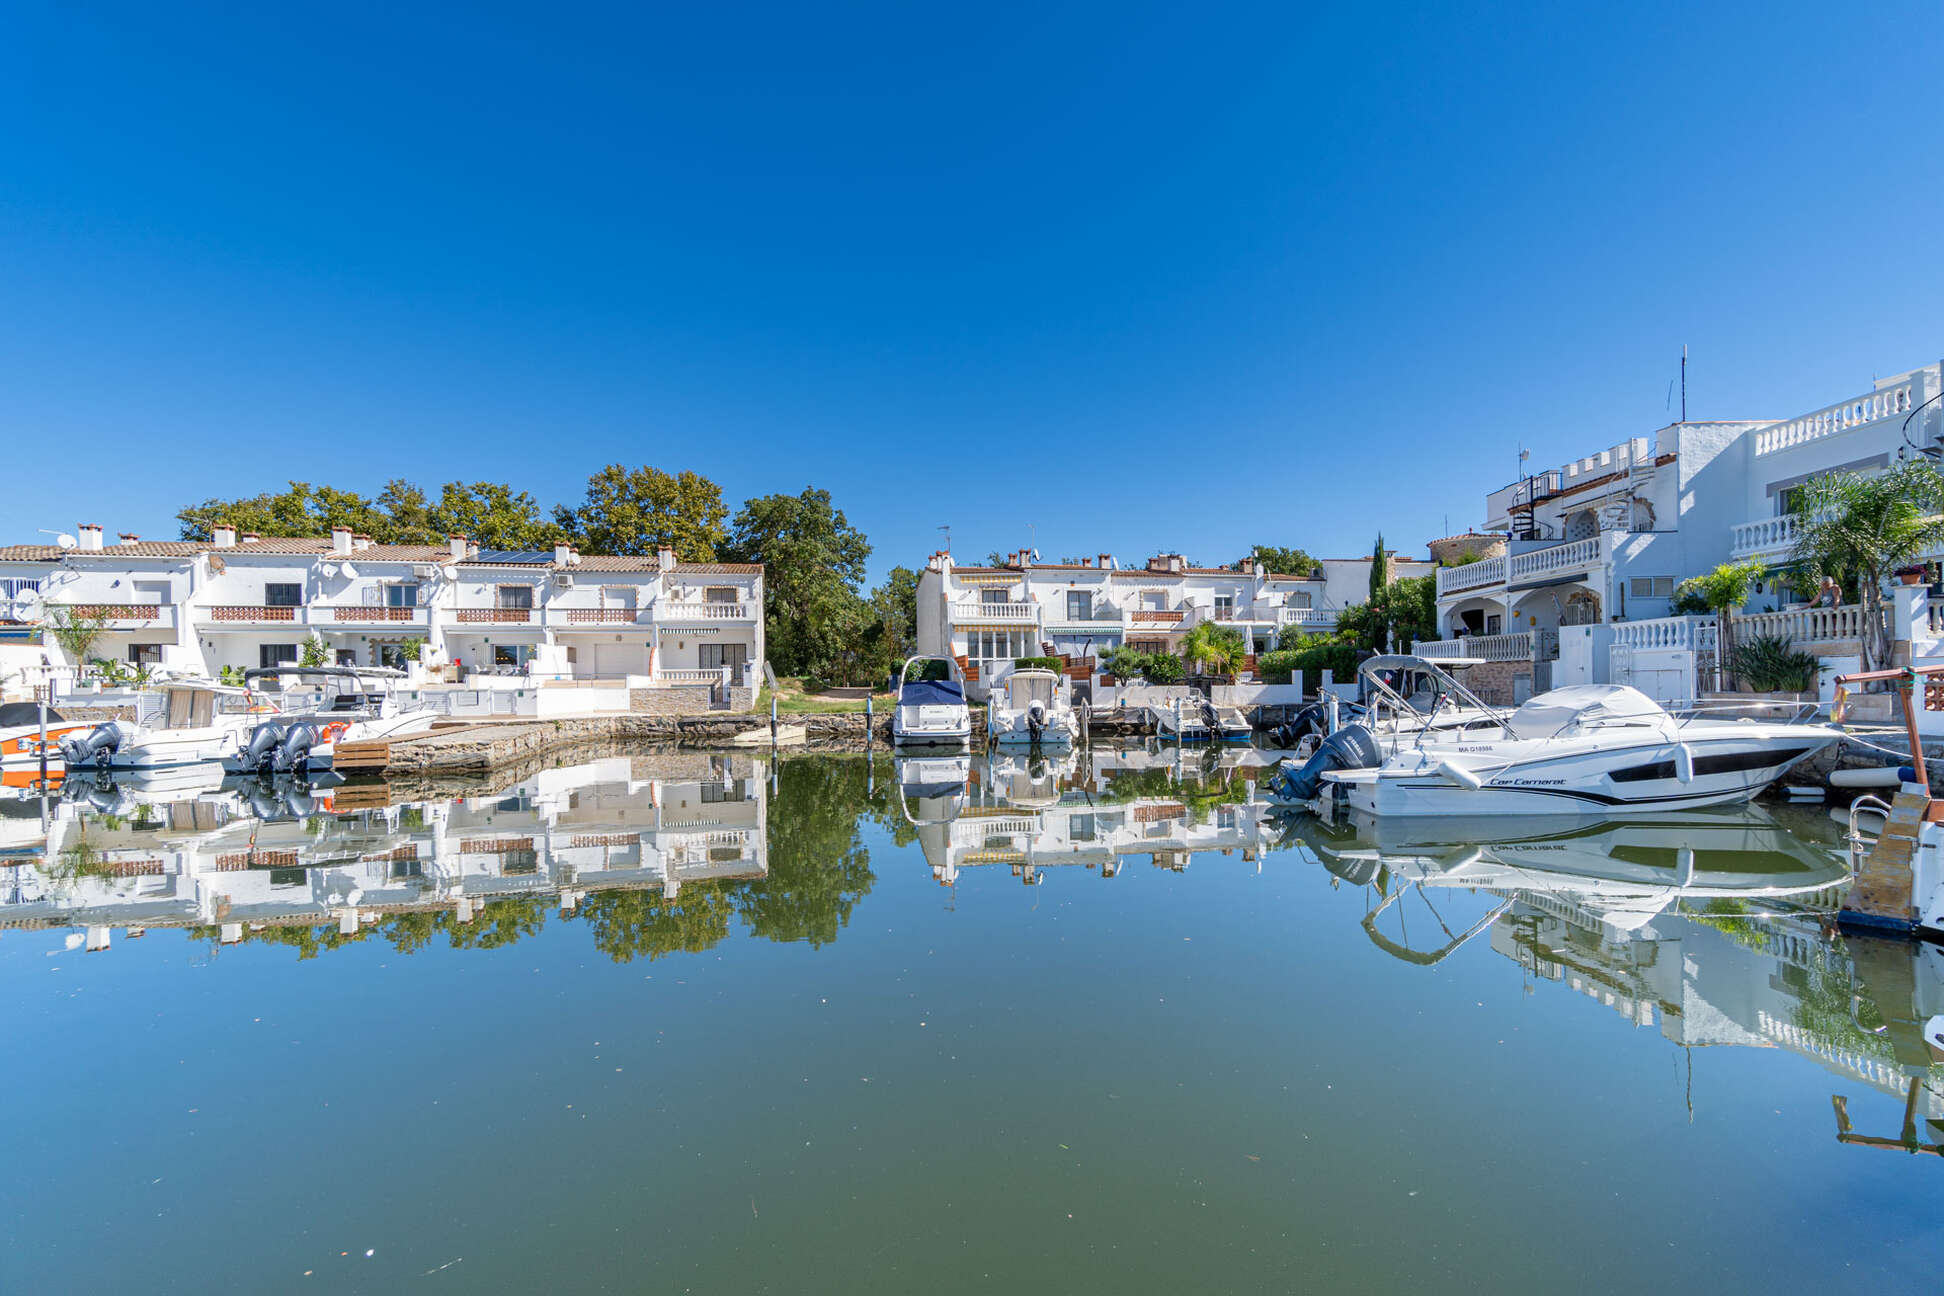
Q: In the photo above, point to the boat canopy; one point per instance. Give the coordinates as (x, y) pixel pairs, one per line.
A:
(942, 692)
(1025, 687)
(1579, 705)
(16, 714)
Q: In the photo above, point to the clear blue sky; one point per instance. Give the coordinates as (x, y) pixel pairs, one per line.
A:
(1139, 276)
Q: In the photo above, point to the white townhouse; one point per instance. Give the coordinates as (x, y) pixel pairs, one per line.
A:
(1604, 541)
(247, 601)
(987, 617)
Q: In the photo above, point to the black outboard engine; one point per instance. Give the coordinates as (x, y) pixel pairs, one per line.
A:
(1351, 747)
(1035, 719)
(1310, 720)
(293, 756)
(260, 753)
(1211, 717)
(95, 749)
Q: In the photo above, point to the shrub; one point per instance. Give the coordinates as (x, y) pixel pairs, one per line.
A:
(1036, 663)
(1164, 668)
(1770, 664)
(1312, 655)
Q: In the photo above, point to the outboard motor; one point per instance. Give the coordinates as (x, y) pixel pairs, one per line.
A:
(260, 753)
(1212, 718)
(1310, 720)
(101, 743)
(1351, 747)
(293, 755)
(1035, 719)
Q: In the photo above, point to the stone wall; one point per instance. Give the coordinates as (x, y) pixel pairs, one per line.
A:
(671, 700)
(1494, 681)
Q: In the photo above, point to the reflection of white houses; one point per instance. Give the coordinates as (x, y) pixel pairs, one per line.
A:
(211, 860)
(989, 616)
(248, 602)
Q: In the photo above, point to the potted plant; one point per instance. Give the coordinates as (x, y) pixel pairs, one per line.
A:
(1916, 575)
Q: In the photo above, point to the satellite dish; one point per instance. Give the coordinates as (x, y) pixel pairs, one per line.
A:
(350, 572)
(449, 572)
(65, 540)
(329, 569)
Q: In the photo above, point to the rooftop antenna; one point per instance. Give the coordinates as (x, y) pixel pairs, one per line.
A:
(947, 529)
(1683, 382)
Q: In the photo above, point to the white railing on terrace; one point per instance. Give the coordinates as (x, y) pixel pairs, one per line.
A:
(1804, 626)
(1472, 575)
(698, 610)
(968, 611)
(1308, 616)
(1891, 402)
(688, 676)
(1696, 633)
(1765, 535)
(1554, 558)
(1498, 647)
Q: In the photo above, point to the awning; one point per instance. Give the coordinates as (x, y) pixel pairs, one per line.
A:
(1572, 579)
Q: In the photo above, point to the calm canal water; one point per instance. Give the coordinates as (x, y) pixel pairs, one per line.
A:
(681, 1022)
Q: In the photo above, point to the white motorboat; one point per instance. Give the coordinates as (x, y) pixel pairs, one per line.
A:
(931, 704)
(184, 722)
(1034, 706)
(351, 704)
(1588, 749)
(21, 735)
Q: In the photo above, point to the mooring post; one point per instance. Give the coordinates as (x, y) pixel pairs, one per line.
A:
(772, 719)
(870, 719)
(43, 734)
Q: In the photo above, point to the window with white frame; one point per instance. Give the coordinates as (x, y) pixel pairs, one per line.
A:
(1651, 587)
(1225, 607)
(1079, 605)
(992, 594)
(402, 594)
(991, 648)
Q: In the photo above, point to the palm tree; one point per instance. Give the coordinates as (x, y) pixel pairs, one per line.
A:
(1856, 524)
(1218, 650)
(1724, 589)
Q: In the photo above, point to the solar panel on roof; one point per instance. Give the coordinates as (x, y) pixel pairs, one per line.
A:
(514, 556)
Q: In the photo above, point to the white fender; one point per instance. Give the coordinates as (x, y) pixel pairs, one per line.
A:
(1683, 763)
(1460, 775)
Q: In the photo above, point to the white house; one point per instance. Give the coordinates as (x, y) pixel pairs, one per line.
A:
(989, 616)
(246, 601)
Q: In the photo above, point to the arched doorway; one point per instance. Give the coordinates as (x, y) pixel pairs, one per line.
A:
(1582, 607)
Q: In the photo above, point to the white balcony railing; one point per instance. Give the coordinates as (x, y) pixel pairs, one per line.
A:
(1556, 558)
(1020, 611)
(1306, 618)
(254, 614)
(1491, 648)
(370, 614)
(699, 610)
(156, 616)
(1804, 627)
(1765, 536)
(1471, 575)
(1696, 633)
(1891, 402)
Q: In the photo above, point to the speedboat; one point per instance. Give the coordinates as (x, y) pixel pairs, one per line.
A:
(931, 704)
(20, 734)
(1589, 749)
(1034, 706)
(183, 722)
(353, 704)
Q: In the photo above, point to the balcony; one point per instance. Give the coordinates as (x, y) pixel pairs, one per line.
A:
(598, 616)
(1766, 537)
(369, 614)
(1308, 618)
(679, 611)
(1521, 647)
(1157, 618)
(1022, 613)
(1532, 565)
(121, 616)
(253, 614)
(494, 616)
(1889, 402)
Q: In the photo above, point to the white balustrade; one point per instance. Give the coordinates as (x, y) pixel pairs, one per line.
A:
(1554, 558)
(1891, 402)
(1804, 626)
(995, 611)
(1472, 575)
(1765, 535)
(1491, 648)
(1696, 633)
(1308, 616)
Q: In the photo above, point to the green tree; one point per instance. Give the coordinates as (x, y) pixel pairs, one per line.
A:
(630, 924)
(892, 633)
(1379, 568)
(494, 515)
(1284, 562)
(313, 651)
(1867, 527)
(813, 565)
(635, 511)
(299, 510)
(1723, 590)
(1213, 649)
(76, 630)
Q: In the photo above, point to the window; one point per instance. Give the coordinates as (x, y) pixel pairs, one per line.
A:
(1079, 605)
(992, 596)
(1225, 607)
(716, 655)
(403, 595)
(277, 655)
(516, 596)
(347, 657)
(1299, 599)
(1493, 623)
(145, 654)
(510, 656)
(16, 588)
(283, 595)
(719, 594)
(1653, 587)
(990, 648)
(1154, 601)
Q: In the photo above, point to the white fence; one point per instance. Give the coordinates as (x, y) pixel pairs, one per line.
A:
(1804, 627)
(1496, 648)
(1840, 417)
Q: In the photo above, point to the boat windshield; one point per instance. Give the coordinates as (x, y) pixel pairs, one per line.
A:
(1022, 690)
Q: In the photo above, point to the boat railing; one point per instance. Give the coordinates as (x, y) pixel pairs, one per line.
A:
(1798, 712)
(1858, 843)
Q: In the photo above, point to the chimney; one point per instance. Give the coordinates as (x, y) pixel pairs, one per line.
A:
(1248, 565)
(1106, 560)
(665, 558)
(563, 553)
(90, 533)
(225, 535)
(341, 541)
(251, 537)
(1086, 562)
(456, 544)
(360, 541)
(129, 537)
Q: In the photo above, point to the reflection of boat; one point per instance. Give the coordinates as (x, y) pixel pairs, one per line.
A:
(352, 704)
(1033, 706)
(931, 704)
(1589, 749)
(181, 723)
(932, 792)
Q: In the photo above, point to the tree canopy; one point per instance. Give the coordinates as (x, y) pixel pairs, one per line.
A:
(1284, 562)
(635, 511)
(813, 561)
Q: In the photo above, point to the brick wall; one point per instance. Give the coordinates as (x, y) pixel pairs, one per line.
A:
(1493, 681)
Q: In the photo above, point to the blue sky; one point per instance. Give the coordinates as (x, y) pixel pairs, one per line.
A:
(1114, 277)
